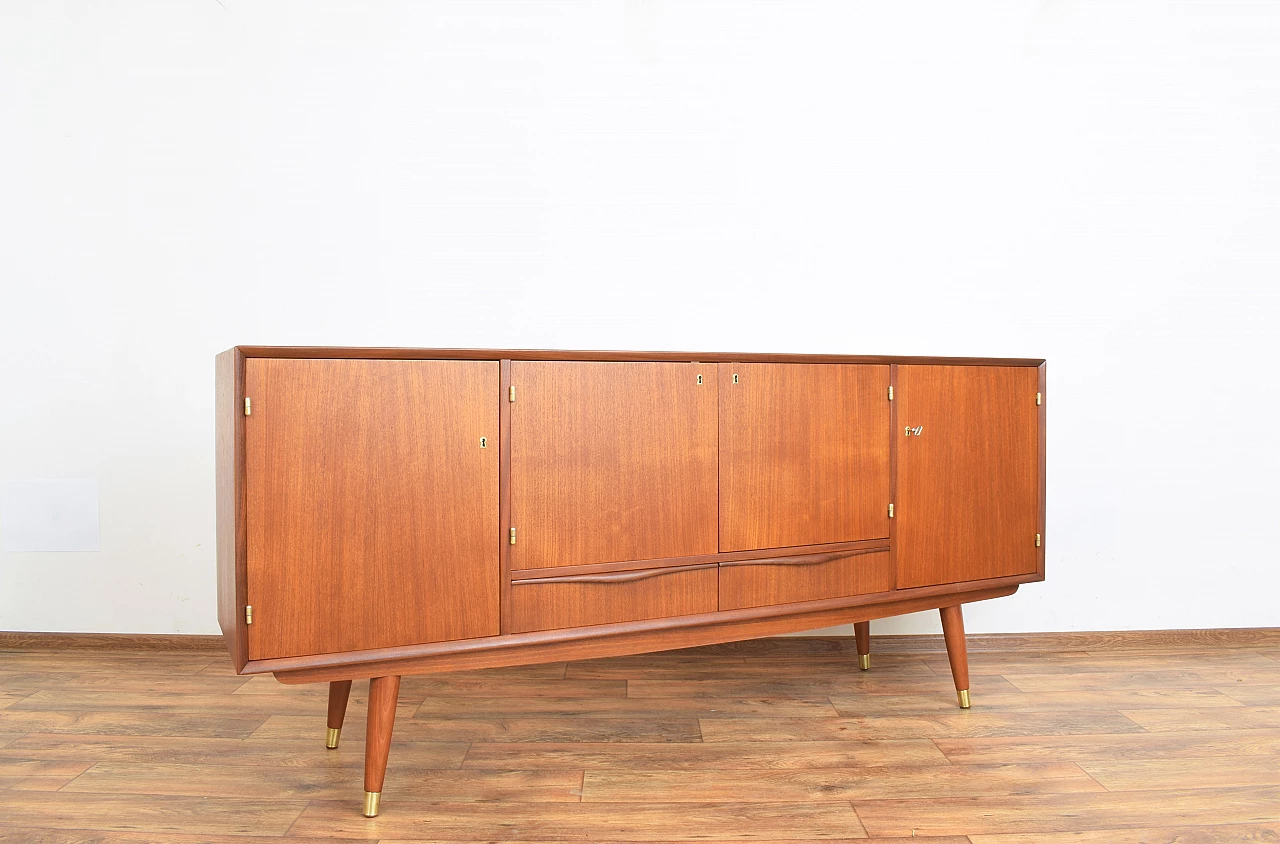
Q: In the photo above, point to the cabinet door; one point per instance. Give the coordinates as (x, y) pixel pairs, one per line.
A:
(372, 508)
(612, 462)
(804, 454)
(968, 473)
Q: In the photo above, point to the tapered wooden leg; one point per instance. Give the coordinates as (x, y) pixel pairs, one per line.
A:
(957, 654)
(383, 692)
(862, 632)
(339, 691)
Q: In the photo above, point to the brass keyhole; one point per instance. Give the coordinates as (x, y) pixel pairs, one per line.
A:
(484, 442)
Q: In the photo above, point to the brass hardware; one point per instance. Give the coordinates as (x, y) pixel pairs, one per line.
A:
(513, 536)
(248, 614)
(484, 442)
(1037, 399)
(511, 393)
(864, 662)
(891, 511)
(890, 392)
(331, 739)
(699, 379)
(248, 409)
(371, 801)
(1037, 540)
(963, 695)
(914, 432)
(735, 378)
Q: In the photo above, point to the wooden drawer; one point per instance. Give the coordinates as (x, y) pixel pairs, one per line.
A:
(785, 580)
(556, 602)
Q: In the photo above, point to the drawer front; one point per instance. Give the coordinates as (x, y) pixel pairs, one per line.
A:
(785, 580)
(559, 602)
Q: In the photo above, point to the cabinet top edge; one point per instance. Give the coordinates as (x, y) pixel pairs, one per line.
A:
(402, 353)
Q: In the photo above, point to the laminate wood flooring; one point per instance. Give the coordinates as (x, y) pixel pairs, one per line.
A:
(778, 740)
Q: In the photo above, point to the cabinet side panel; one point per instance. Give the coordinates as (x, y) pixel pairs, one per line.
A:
(228, 413)
(968, 473)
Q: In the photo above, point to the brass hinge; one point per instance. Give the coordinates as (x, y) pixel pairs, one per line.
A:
(1038, 399)
(890, 392)
(1037, 540)
(511, 393)
(247, 407)
(248, 614)
(891, 511)
(513, 536)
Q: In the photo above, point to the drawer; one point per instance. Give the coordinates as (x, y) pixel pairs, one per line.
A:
(785, 580)
(553, 603)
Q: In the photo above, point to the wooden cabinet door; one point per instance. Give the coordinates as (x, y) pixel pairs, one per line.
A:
(612, 462)
(968, 473)
(804, 454)
(372, 508)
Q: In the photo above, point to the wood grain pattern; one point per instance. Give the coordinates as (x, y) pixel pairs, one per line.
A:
(552, 756)
(698, 559)
(612, 462)
(957, 655)
(550, 604)
(804, 454)
(383, 692)
(969, 483)
(862, 637)
(615, 640)
(339, 694)
(759, 583)
(372, 508)
(230, 525)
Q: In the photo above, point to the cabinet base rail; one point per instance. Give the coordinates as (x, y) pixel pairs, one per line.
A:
(384, 691)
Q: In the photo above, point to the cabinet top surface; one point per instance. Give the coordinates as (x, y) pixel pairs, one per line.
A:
(389, 353)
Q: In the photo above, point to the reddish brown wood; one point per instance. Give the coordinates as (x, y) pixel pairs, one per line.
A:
(394, 353)
(230, 528)
(339, 692)
(584, 600)
(618, 639)
(698, 559)
(611, 462)
(383, 693)
(862, 635)
(372, 507)
(893, 472)
(957, 655)
(783, 580)
(804, 454)
(1043, 445)
(968, 483)
(504, 496)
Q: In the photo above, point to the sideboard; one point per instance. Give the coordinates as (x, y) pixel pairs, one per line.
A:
(383, 512)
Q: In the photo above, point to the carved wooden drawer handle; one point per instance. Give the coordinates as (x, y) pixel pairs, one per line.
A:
(615, 577)
(811, 560)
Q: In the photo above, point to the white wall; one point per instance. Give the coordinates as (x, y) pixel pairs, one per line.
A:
(1096, 183)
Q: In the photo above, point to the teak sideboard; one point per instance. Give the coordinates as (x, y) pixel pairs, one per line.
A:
(383, 512)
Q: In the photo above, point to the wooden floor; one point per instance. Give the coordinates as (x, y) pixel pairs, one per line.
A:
(774, 740)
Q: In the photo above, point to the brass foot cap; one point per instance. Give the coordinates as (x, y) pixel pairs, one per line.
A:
(371, 801)
(331, 740)
(864, 662)
(963, 694)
